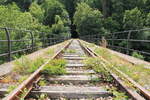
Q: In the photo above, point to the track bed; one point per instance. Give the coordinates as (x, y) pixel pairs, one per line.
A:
(77, 83)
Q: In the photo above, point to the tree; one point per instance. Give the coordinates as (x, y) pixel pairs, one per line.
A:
(148, 20)
(52, 8)
(88, 20)
(23, 4)
(111, 25)
(59, 27)
(12, 17)
(37, 12)
(133, 19)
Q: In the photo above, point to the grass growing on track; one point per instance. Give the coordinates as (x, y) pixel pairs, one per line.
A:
(70, 51)
(137, 72)
(26, 66)
(98, 66)
(55, 67)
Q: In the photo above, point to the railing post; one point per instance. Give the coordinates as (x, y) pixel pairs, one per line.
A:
(113, 39)
(128, 39)
(43, 36)
(32, 40)
(9, 43)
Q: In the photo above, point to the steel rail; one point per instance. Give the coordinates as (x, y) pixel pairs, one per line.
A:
(145, 93)
(28, 83)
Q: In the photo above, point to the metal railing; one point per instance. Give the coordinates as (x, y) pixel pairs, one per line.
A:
(14, 42)
(126, 41)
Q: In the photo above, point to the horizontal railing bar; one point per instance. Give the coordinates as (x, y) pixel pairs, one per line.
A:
(130, 49)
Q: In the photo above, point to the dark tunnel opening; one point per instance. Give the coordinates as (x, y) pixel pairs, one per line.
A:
(74, 33)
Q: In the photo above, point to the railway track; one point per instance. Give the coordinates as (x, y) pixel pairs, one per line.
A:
(78, 82)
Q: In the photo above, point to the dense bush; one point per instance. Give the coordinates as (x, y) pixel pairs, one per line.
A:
(55, 67)
(137, 55)
(88, 20)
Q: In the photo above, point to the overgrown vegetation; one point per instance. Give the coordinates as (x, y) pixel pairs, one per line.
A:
(98, 66)
(25, 66)
(11, 88)
(55, 67)
(137, 55)
(136, 72)
(118, 95)
(42, 82)
(70, 51)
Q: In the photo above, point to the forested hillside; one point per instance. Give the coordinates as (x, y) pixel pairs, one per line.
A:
(57, 16)
(79, 17)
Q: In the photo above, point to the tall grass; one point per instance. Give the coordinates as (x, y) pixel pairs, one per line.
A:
(25, 66)
(55, 67)
(97, 65)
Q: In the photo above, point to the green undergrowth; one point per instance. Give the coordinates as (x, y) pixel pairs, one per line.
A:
(97, 65)
(50, 51)
(138, 55)
(55, 67)
(42, 82)
(118, 95)
(137, 72)
(25, 66)
(70, 51)
(11, 88)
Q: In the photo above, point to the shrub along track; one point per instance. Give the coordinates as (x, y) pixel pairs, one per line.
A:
(78, 83)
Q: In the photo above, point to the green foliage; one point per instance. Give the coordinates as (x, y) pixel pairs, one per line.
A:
(95, 80)
(42, 97)
(42, 83)
(23, 4)
(85, 16)
(37, 11)
(70, 51)
(148, 20)
(12, 17)
(59, 27)
(55, 67)
(23, 78)
(137, 55)
(56, 17)
(98, 66)
(26, 66)
(103, 52)
(88, 20)
(133, 19)
(136, 72)
(50, 52)
(52, 8)
(11, 88)
(110, 24)
(118, 95)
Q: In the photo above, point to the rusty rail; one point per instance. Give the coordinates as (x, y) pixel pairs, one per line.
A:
(16, 94)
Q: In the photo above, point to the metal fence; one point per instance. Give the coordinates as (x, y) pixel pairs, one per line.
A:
(126, 41)
(15, 42)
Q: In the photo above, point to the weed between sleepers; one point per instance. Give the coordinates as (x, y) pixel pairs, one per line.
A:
(95, 64)
(69, 51)
(25, 66)
(98, 66)
(55, 67)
